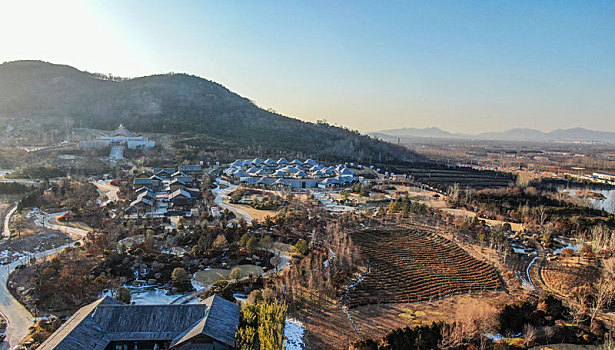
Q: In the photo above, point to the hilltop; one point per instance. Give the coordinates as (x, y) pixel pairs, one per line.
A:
(206, 115)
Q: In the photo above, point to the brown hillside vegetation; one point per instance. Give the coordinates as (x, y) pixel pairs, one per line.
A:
(564, 276)
(206, 116)
(407, 265)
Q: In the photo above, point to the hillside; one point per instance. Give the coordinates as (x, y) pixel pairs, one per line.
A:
(204, 114)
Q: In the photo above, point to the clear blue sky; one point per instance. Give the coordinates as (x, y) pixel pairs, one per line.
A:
(465, 66)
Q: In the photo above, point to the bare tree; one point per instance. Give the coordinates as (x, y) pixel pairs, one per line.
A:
(453, 193)
(452, 336)
(560, 194)
(541, 215)
(529, 333)
(18, 222)
(609, 342)
(578, 308)
(604, 293)
(602, 238)
(549, 333)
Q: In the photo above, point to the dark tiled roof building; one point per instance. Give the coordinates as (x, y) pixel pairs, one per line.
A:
(108, 324)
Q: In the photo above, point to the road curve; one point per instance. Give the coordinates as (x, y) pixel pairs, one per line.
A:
(19, 319)
(108, 190)
(222, 195)
(7, 218)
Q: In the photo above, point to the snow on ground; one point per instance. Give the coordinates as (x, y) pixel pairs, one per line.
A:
(177, 251)
(155, 296)
(196, 284)
(574, 247)
(293, 334)
(10, 256)
(495, 337)
(146, 295)
(107, 293)
(527, 272)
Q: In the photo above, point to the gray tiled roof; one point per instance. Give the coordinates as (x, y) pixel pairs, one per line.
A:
(105, 320)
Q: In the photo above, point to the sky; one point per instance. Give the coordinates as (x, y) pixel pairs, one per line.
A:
(463, 66)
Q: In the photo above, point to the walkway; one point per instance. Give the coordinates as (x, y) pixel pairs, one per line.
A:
(222, 196)
(19, 319)
(7, 218)
(108, 190)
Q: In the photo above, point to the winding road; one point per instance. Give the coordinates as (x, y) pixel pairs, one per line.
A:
(222, 196)
(108, 190)
(19, 319)
(17, 316)
(7, 218)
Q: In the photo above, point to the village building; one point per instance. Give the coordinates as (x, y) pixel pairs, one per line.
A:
(606, 177)
(168, 192)
(295, 174)
(119, 137)
(108, 324)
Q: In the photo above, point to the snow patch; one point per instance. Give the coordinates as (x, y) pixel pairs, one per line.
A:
(519, 250)
(293, 334)
(574, 247)
(495, 337)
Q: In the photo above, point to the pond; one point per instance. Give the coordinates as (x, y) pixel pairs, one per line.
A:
(607, 203)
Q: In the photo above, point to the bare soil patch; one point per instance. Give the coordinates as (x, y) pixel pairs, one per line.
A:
(17, 248)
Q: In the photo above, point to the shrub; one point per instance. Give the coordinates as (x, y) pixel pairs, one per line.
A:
(235, 274)
(301, 247)
(123, 295)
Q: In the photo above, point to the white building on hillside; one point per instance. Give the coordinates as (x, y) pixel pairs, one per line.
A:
(120, 137)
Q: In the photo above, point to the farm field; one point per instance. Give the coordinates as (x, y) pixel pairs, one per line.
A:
(410, 264)
(442, 176)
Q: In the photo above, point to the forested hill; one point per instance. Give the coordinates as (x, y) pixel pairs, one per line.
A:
(201, 111)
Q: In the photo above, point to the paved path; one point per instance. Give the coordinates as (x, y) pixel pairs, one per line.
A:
(19, 319)
(325, 199)
(222, 196)
(108, 190)
(49, 221)
(7, 218)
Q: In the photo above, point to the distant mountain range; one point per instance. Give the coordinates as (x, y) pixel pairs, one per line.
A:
(211, 120)
(559, 135)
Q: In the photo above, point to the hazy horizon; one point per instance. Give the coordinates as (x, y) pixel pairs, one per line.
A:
(462, 67)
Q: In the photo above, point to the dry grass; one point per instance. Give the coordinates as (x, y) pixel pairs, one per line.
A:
(376, 321)
(327, 327)
(254, 213)
(210, 276)
(564, 275)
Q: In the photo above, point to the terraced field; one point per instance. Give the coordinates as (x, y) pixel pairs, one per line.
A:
(442, 176)
(408, 265)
